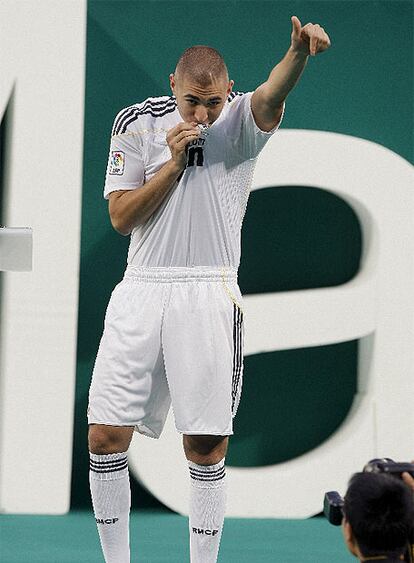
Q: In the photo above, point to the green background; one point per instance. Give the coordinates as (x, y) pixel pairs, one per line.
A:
(293, 237)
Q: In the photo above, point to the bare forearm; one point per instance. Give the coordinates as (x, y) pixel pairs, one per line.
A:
(129, 209)
(308, 40)
(283, 77)
(267, 100)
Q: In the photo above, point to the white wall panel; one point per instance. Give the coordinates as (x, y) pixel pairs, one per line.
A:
(42, 52)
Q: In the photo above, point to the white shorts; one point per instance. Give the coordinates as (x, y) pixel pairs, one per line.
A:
(171, 335)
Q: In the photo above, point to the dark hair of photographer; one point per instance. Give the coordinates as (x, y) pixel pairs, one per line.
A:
(378, 516)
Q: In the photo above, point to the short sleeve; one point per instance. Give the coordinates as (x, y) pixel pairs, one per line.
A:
(125, 169)
(251, 138)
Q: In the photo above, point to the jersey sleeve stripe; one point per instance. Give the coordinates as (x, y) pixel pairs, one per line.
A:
(120, 116)
(123, 126)
(154, 108)
(232, 95)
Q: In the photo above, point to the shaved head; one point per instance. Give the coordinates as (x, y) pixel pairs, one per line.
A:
(202, 65)
(201, 85)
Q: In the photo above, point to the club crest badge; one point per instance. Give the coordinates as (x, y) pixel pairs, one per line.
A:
(117, 163)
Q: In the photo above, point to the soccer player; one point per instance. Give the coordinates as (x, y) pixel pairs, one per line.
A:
(178, 179)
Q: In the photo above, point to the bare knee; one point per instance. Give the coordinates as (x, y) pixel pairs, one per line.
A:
(109, 439)
(205, 450)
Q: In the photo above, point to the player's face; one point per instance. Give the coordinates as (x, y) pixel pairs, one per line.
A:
(200, 104)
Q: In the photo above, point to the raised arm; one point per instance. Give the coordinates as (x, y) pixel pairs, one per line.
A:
(267, 100)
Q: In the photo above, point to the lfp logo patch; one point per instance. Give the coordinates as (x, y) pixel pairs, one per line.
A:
(117, 163)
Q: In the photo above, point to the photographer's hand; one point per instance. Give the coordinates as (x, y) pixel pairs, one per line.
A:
(408, 480)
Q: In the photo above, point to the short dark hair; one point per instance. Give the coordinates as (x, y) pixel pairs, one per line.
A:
(380, 511)
(202, 64)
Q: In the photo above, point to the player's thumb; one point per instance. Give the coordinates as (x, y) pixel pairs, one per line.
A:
(296, 26)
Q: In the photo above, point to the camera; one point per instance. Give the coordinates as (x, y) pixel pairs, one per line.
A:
(333, 502)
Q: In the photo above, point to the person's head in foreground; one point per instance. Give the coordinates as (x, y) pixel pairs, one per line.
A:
(378, 517)
(200, 84)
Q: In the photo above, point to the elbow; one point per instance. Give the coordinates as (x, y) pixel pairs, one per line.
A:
(121, 227)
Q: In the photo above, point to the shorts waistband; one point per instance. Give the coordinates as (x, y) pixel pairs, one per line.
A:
(177, 274)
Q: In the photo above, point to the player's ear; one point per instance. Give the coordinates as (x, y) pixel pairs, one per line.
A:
(172, 82)
(230, 86)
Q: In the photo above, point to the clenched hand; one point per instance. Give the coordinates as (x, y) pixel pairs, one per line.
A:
(178, 139)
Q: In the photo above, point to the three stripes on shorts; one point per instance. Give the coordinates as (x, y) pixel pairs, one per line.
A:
(237, 355)
(120, 461)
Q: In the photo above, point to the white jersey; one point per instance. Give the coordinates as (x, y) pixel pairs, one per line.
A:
(199, 222)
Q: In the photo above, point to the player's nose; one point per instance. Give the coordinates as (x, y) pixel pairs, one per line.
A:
(201, 115)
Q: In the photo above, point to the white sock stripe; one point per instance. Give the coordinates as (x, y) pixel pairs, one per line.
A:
(113, 460)
(208, 480)
(108, 467)
(206, 472)
(103, 458)
(113, 470)
(198, 476)
(105, 464)
(214, 467)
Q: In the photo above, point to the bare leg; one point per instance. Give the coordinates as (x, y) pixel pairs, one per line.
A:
(205, 450)
(109, 439)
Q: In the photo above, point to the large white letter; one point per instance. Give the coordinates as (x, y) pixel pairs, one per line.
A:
(376, 306)
(42, 61)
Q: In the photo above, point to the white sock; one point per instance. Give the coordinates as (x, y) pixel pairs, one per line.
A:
(207, 507)
(111, 500)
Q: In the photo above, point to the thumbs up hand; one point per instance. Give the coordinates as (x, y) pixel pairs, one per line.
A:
(310, 39)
